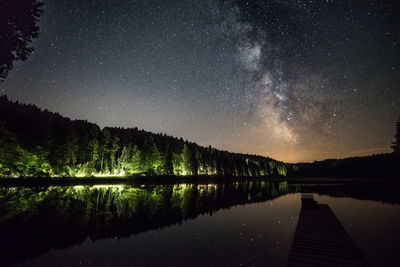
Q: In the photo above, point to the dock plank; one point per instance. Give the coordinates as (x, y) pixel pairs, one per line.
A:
(321, 240)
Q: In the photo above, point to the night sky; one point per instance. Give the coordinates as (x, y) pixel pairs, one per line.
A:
(293, 80)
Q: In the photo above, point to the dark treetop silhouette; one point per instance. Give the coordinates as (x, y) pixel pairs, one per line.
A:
(396, 143)
(18, 26)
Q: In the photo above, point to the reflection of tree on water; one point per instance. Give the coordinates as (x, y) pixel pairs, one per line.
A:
(385, 192)
(34, 220)
(38, 219)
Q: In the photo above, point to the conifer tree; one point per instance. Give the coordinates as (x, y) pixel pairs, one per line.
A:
(396, 143)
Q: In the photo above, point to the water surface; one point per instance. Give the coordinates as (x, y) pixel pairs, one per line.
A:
(247, 223)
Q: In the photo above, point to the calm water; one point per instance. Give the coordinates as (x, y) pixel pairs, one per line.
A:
(249, 223)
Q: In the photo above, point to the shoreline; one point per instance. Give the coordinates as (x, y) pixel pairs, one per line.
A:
(137, 180)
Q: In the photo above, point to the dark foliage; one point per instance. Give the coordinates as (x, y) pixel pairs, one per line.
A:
(377, 166)
(18, 26)
(396, 143)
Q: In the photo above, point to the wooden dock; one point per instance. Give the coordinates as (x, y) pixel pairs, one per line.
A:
(321, 240)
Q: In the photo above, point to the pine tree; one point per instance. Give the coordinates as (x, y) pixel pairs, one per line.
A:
(113, 153)
(137, 161)
(125, 159)
(396, 143)
(105, 147)
(189, 160)
(168, 167)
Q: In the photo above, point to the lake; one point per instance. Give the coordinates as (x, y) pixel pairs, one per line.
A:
(231, 223)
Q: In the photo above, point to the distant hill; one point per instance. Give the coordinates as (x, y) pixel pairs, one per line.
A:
(377, 166)
(35, 142)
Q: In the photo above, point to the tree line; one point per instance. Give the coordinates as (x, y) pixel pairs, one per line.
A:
(385, 165)
(35, 142)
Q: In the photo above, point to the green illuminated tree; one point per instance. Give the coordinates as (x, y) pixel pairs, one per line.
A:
(189, 160)
(177, 163)
(105, 149)
(43, 166)
(125, 159)
(71, 148)
(168, 167)
(94, 149)
(113, 153)
(137, 161)
(32, 163)
(8, 151)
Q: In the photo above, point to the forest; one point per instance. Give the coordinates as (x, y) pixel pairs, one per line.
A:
(40, 143)
(381, 166)
(35, 142)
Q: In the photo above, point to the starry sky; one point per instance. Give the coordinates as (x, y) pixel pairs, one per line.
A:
(292, 80)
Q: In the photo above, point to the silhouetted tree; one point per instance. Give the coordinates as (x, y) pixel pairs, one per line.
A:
(105, 149)
(113, 152)
(396, 143)
(168, 167)
(18, 26)
(189, 160)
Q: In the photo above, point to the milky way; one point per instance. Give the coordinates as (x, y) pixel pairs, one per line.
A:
(293, 80)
